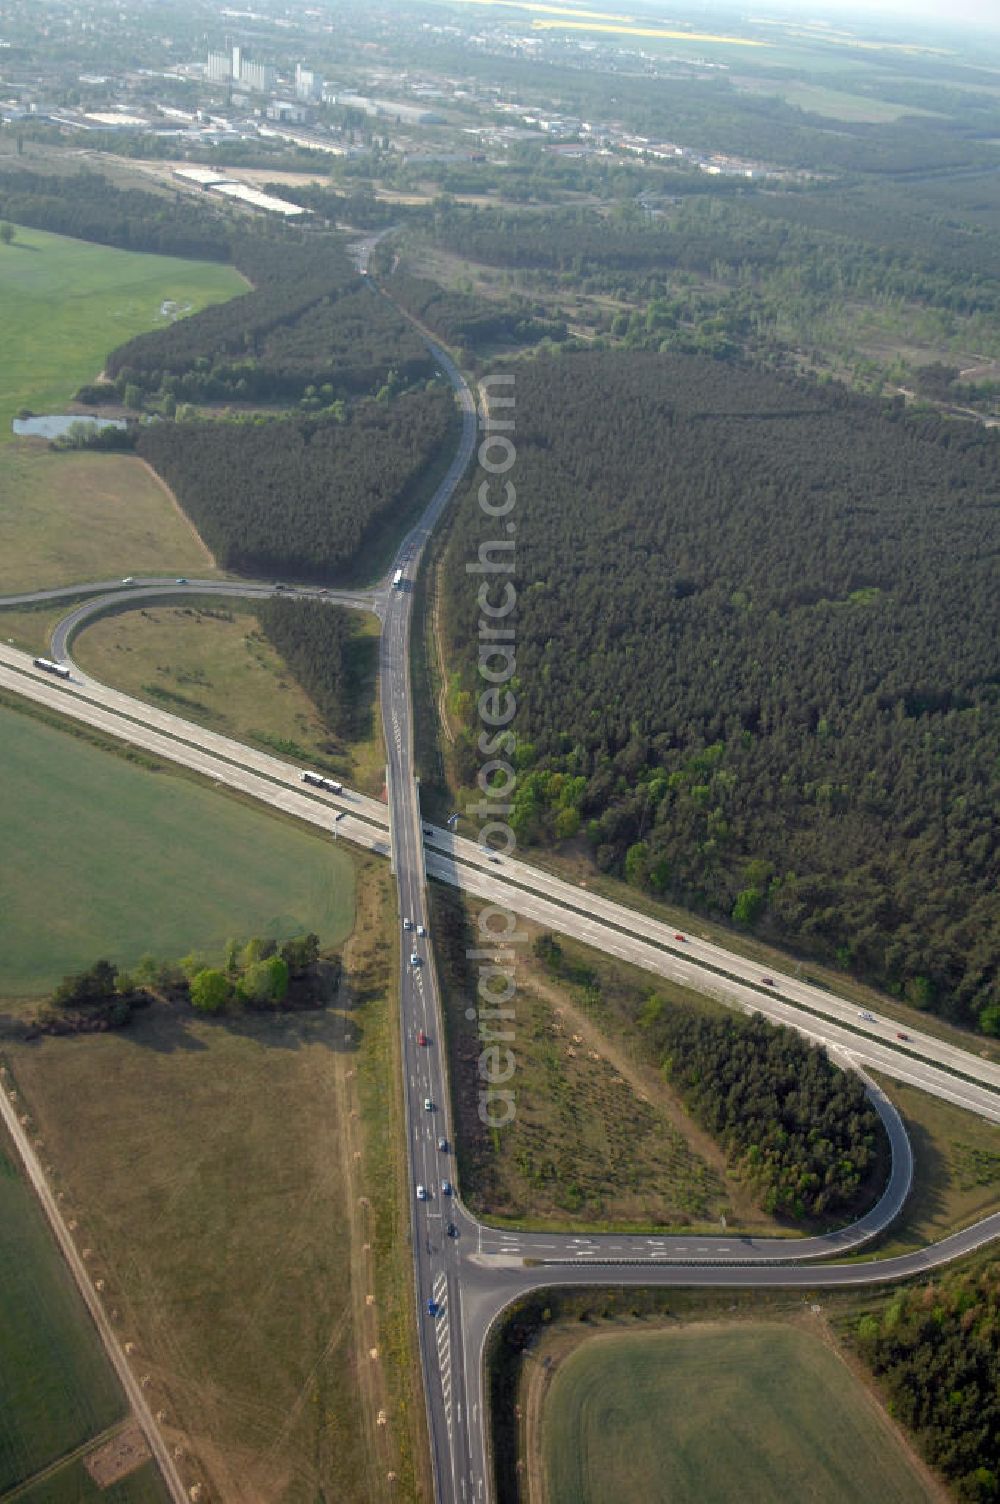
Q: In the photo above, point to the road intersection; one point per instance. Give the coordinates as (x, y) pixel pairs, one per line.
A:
(471, 1277)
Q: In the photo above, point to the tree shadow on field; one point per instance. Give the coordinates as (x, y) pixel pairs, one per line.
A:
(165, 1028)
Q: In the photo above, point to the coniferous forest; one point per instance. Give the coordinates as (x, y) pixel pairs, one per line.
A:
(309, 323)
(301, 494)
(89, 207)
(319, 643)
(757, 658)
(796, 1128)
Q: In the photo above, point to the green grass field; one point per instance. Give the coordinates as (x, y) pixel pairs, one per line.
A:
(56, 1387)
(64, 304)
(106, 858)
(707, 1415)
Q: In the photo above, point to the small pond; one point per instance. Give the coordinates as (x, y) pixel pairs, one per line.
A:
(55, 425)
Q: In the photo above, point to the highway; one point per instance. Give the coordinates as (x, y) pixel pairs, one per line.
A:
(875, 1054)
(472, 1276)
(705, 954)
(945, 1070)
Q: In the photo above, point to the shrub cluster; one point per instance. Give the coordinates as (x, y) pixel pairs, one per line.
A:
(254, 974)
(935, 1350)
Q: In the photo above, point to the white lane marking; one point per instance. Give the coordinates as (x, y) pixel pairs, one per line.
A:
(442, 1338)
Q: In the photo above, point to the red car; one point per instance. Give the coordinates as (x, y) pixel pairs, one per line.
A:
(680, 937)
(902, 1036)
(421, 1037)
(767, 981)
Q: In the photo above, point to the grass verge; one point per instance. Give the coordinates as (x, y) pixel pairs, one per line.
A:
(30, 628)
(956, 1173)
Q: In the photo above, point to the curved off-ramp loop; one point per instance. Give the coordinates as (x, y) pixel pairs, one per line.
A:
(104, 601)
(728, 1248)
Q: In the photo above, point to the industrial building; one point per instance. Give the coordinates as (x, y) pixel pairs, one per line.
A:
(236, 67)
(215, 182)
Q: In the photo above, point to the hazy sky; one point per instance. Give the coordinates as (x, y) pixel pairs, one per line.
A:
(985, 13)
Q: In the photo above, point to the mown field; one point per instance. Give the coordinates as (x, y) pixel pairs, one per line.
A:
(57, 1390)
(64, 304)
(70, 518)
(241, 1185)
(214, 665)
(106, 858)
(709, 1414)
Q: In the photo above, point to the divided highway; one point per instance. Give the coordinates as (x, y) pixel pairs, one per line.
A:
(466, 1274)
(935, 1065)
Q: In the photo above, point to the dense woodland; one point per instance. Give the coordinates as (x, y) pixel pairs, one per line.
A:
(89, 207)
(796, 1128)
(775, 249)
(934, 1350)
(321, 645)
(852, 277)
(867, 240)
(302, 495)
(463, 319)
(276, 345)
(287, 281)
(757, 658)
(311, 331)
